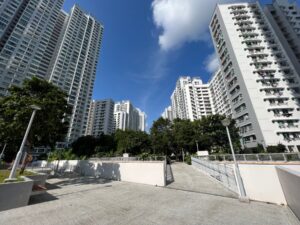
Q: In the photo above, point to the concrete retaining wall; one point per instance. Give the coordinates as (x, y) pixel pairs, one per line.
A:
(261, 181)
(290, 182)
(144, 172)
(16, 194)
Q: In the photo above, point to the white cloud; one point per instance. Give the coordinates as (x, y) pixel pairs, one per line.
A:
(183, 21)
(212, 63)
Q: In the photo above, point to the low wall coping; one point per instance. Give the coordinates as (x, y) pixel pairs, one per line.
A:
(294, 172)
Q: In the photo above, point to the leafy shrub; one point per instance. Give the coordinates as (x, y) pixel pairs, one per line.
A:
(188, 160)
(65, 154)
(276, 149)
(254, 150)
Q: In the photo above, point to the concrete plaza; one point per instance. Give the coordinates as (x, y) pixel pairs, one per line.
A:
(90, 201)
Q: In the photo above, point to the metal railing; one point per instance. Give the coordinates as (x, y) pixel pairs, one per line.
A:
(222, 172)
(262, 157)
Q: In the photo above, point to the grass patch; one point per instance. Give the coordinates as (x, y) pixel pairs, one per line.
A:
(5, 174)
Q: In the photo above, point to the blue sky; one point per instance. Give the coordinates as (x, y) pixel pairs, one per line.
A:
(147, 45)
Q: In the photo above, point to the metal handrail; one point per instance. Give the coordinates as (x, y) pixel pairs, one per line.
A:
(271, 157)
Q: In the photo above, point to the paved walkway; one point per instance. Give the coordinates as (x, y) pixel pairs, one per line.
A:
(190, 179)
(90, 201)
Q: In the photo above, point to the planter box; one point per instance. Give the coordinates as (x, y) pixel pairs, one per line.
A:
(15, 194)
(39, 178)
(39, 181)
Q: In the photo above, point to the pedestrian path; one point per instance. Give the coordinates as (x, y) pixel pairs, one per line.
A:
(92, 201)
(188, 178)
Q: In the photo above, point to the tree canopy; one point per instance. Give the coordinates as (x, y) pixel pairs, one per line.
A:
(172, 137)
(51, 122)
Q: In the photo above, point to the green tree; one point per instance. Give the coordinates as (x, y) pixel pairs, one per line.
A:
(84, 146)
(280, 148)
(61, 154)
(105, 144)
(133, 142)
(212, 134)
(161, 136)
(183, 133)
(50, 124)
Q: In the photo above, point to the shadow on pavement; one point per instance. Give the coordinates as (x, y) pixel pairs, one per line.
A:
(36, 199)
(77, 181)
(170, 177)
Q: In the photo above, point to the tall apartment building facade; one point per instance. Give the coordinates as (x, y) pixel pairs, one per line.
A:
(127, 117)
(191, 99)
(142, 120)
(27, 36)
(219, 94)
(167, 114)
(101, 118)
(284, 17)
(38, 39)
(260, 77)
(74, 67)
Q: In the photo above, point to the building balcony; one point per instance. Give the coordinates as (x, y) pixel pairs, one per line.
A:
(276, 94)
(241, 16)
(285, 120)
(247, 29)
(283, 115)
(253, 54)
(276, 106)
(240, 112)
(252, 39)
(269, 85)
(238, 8)
(289, 127)
(243, 23)
(265, 78)
(258, 46)
(237, 11)
(265, 69)
(290, 135)
(239, 102)
(244, 122)
(261, 63)
(230, 75)
(232, 86)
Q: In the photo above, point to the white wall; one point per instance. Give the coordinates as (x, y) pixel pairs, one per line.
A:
(144, 172)
(290, 182)
(262, 183)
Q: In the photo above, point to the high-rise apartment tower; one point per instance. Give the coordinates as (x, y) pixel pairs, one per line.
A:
(38, 39)
(191, 99)
(260, 77)
(101, 117)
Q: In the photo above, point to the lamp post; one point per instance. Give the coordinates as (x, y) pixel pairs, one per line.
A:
(243, 197)
(20, 152)
(2, 153)
(197, 146)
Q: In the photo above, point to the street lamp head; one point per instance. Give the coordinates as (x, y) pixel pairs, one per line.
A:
(35, 107)
(226, 122)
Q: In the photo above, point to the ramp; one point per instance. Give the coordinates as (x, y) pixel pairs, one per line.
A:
(188, 178)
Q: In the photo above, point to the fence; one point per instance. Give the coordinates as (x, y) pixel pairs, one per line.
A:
(220, 171)
(271, 157)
